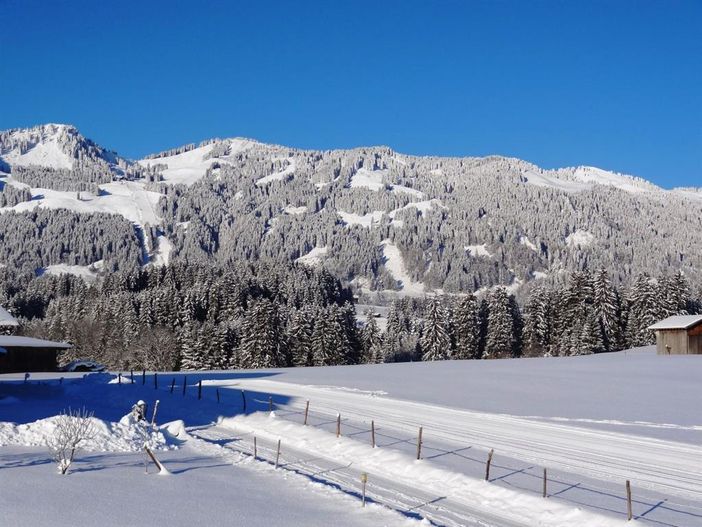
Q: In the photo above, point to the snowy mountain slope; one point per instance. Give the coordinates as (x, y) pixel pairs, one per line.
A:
(234, 190)
(128, 199)
(584, 178)
(57, 146)
(187, 167)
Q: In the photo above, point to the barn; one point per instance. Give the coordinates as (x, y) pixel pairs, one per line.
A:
(679, 335)
(25, 354)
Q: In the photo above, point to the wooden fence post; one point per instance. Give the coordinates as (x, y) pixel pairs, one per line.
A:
(545, 480)
(143, 377)
(487, 466)
(419, 444)
(131, 375)
(373, 434)
(155, 381)
(338, 425)
(158, 464)
(217, 395)
(307, 410)
(243, 399)
(255, 449)
(629, 514)
(270, 403)
(199, 389)
(119, 379)
(173, 385)
(364, 480)
(153, 417)
(277, 455)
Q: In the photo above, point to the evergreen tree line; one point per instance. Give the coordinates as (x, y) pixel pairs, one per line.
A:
(204, 316)
(586, 315)
(191, 317)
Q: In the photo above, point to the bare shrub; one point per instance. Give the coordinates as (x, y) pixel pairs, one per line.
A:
(72, 428)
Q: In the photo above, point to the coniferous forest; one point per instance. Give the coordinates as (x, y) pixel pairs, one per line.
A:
(192, 317)
(238, 254)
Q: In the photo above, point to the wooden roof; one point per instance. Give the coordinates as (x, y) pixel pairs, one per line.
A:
(6, 319)
(677, 322)
(8, 341)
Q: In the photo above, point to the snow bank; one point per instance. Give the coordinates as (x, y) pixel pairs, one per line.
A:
(124, 436)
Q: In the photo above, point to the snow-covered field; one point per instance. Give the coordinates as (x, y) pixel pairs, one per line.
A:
(593, 422)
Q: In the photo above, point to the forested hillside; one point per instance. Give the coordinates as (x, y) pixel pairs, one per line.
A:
(201, 316)
(377, 219)
(190, 252)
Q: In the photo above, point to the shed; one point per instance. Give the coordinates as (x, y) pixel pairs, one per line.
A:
(679, 335)
(24, 354)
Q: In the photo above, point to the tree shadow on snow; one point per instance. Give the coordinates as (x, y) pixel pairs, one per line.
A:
(110, 401)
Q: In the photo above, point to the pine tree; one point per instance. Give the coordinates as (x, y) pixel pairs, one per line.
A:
(371, 340)
(538, 323)
(330, 346)
(190, 355)
(607, 310)
(435, 341)
(262, 339)
(501, 337)
(466, 324)
(300, 337)
(589, 340)
(644, 311)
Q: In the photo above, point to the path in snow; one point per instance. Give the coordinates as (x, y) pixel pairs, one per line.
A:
(660, 470)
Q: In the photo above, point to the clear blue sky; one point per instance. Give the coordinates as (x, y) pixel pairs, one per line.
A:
(615, 84)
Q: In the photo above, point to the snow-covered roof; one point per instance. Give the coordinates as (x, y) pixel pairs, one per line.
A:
(6, 319)
(29, 342)
(678, 322)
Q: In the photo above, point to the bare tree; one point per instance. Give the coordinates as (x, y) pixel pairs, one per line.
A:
(72, 428)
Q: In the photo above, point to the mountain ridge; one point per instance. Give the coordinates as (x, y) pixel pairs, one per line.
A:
(575, 169)
(381, 220)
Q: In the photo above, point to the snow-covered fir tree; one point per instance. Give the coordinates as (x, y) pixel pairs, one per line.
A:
(502, 331)
(371, 340)
(466, 328)
(435, 341)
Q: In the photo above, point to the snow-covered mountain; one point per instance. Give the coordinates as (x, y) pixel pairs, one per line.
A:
(379, 219)
(54, 146)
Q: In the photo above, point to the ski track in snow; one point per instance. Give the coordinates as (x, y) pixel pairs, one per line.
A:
(381, 490)
(674, 469)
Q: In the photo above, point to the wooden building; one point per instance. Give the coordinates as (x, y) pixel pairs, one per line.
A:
(26, 354)
(679, 335)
